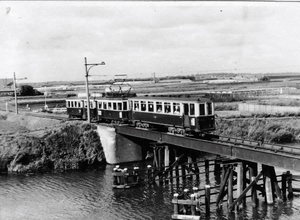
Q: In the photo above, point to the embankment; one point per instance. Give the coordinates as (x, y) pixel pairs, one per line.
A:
(275, 130)
(32, 144)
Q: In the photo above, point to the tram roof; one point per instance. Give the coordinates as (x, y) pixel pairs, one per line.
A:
(154, 98)
(172, 98)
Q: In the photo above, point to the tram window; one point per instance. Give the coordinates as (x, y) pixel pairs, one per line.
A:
(68, 103)
(151, 106)
(143, 106)
(167, 107)
(158, 106)
(114, 106)
(136, 105)
(176, 108)
(99, 105)
(91, 104)
(104, 105)
(202, 109)
(209, 108)
(192, 109)
(119, 106)
(72, 105)
(109, 105)
(75, 104)
(124, 105)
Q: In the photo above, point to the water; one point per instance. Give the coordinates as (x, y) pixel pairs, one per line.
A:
(89, 195)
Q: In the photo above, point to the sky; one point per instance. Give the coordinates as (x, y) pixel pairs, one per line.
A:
(48, 41)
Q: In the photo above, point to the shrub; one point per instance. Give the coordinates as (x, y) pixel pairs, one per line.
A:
(70, 146)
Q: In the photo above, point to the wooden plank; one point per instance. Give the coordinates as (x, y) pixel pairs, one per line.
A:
(184, 202)
(222, 187)
(188, 217)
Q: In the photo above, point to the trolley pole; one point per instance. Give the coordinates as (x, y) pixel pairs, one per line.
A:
(87, 85)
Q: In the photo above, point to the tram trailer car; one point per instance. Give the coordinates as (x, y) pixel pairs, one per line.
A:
(179, 115)
(117, 110)
(77, 108)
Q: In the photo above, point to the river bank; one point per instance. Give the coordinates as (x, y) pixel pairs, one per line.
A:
(33, 144)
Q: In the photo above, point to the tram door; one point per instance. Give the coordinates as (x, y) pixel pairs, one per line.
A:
(186, 120)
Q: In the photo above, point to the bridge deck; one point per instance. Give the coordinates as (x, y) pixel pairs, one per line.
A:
(268, 156)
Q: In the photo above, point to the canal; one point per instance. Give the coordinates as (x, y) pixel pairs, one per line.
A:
(89, 195)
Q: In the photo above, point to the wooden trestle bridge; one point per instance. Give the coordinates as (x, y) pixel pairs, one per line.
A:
(241, 164)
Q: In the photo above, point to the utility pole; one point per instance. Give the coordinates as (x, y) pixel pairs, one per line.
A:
(15, 88)
(87, 85)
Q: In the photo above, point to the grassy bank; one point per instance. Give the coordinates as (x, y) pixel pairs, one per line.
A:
(274, 130)
(60, 147)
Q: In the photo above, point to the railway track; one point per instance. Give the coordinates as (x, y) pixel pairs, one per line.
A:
(275, 148)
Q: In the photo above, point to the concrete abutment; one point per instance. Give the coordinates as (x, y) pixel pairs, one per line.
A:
(120, 148)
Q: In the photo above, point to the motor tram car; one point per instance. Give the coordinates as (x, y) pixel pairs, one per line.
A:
(179, 115)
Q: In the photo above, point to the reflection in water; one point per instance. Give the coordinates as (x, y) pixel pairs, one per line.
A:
(89, 195)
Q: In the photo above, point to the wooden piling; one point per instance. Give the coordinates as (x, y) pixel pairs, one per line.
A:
(252, 175)
(230, 186)
(167, 157)
(167, 163)
(240, 183)
(196, 170)
(149, 172)
(289, 183)
(193, 207)
(183, 173)
(269, 197)
(225, 176)
(176, 167)
(243, 194)
(175, 197)
(190, 164)
(217, 171)
(283, 185)
(207, 171)
(185, 197)
(275, 186)
(207, 200)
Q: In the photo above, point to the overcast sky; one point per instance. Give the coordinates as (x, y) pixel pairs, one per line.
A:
(47, 41)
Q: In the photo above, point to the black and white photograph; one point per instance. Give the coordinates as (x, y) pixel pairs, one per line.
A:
(149, 110)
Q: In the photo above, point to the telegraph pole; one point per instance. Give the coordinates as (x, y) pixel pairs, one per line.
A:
(15, 88)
